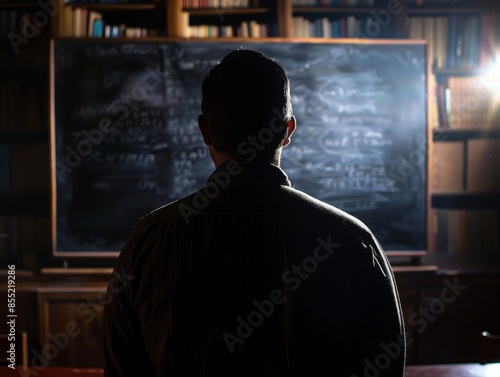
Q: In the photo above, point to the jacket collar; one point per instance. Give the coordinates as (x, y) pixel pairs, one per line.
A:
(243, 171)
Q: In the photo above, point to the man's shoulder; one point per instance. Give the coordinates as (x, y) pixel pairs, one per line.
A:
(169, 211)
(288, 202)
(311, 206)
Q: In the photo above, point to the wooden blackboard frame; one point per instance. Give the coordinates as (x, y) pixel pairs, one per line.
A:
(247, 42)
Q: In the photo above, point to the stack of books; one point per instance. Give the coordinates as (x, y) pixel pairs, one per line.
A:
(465, 232)
(81, 23)
(333, 2)
(457, 41)
(346, 27)
(219, 3)
(246, 29)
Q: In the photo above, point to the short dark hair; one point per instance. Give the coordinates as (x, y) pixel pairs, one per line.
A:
(244, 93)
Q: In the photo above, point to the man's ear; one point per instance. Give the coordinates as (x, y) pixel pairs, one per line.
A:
(203, 126)
(290, 128)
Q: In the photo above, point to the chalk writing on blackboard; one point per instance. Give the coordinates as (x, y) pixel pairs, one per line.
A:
(360, 111)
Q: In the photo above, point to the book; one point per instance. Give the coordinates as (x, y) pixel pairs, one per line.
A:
(483, 158)
(471, 232)
(92, 17)
(456, 41)
(471, 103)
(447, 167)
(98, 28)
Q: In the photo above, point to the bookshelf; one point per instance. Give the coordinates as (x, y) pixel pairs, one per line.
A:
(278, 18)
(24, 152)
(361, 19)
(244, 19)
(24, 206)
(463, 40)
(468, 209)
(111, 19)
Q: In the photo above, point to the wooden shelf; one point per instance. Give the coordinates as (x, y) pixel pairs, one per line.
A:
(224, 11)
(35, 137)
(435, 11)
(117, 7)
(452, 135)
(25, 204)
(26, 75)
(462, 72)
(466, 200)
(18, 5)
(335, 10)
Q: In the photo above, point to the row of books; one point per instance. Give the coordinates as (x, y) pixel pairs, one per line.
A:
(25, 167)
(220, 3)
(110, 1)
(347, 27)
(249, 29)
(466, 102)
(19, 46)
(450, 2)
(457, 41)
(332, 2)
(20, 107)
(465, 231)
(245, 29)
(473, 166)
(17, 1)
(81, 22)
(447, 167)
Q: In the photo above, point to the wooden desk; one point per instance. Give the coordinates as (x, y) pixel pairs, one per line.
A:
(51, 372)
(451, 370)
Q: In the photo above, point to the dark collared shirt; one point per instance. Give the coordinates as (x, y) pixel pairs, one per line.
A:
(250, 277)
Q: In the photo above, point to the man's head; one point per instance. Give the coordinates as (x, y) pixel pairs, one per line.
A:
(246, 96)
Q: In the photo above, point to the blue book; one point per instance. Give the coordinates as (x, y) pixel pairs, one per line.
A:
(451, 42)
(273, 29)
(336, 29)
(98, 28)
(474, 42)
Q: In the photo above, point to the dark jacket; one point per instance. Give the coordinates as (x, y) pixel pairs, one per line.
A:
(250, 277)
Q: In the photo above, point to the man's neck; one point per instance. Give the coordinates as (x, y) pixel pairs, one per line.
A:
(221, 158)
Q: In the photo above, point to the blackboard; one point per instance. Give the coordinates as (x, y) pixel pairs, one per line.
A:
(125, 137)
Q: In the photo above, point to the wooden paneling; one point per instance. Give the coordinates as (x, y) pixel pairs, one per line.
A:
(71, 325)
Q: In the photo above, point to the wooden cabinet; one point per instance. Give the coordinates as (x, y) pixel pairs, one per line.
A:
(445, 311)
(24, 151)
(70, 326)
(59, 315)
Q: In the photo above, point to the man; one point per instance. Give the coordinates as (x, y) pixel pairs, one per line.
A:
(248, 276)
